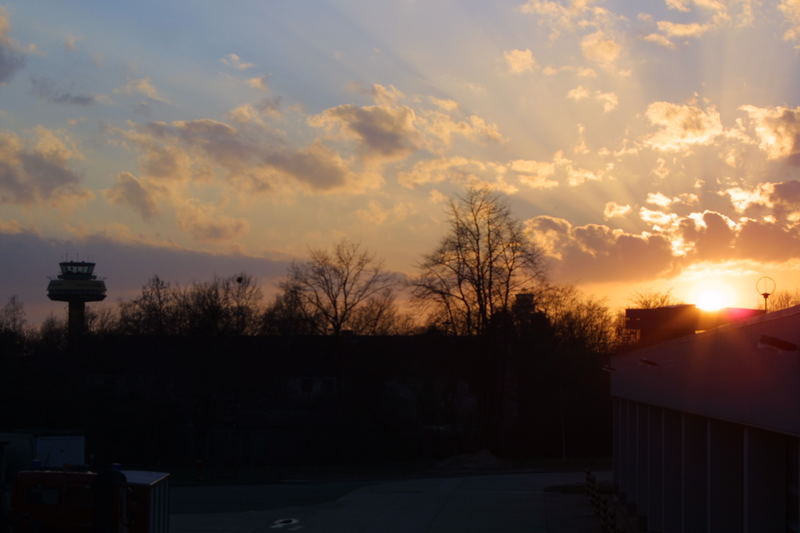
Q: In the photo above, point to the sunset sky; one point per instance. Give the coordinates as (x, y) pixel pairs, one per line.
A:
(645, 145)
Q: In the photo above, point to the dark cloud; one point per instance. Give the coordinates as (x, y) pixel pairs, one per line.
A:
(186, 149)
(47, 89)
(11, 60)
(599, 253)
(787, 192)
(713, 240)
(128, 191)
(205, 224)
(382, 131)
(126, 266)
(327, 168)
(767, 242)
(41, 173)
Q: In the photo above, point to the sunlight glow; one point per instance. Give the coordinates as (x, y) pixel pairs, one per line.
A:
(713, 300)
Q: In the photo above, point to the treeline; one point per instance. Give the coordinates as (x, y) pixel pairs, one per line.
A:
(485, 275)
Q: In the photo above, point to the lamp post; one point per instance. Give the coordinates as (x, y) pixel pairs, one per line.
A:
(765, 287)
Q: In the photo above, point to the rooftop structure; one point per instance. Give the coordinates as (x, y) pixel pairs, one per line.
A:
(668, 322)
(706, 427)
(76, 285)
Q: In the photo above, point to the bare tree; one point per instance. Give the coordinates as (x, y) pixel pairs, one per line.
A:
(334, 286)
(578, 319)
(222, 306)
(12, 316)
(651, 299)
(286, 315)
(482, 262)
(153, 312)
(783, 299)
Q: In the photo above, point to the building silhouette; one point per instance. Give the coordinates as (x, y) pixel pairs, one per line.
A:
(706, 426)
(76, 285)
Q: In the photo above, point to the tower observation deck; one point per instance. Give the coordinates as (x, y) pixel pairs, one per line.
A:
(76, 285)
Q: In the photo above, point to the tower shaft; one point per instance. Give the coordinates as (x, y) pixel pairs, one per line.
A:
(77, 318)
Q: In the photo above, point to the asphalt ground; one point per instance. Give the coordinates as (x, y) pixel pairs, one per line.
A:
(527, 502)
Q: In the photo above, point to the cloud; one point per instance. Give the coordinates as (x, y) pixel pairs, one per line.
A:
(777, 130)
(12, 58)
(740, 12)
(259, 82)
(672, 29)
(377, 214)
(563, 15)
(445, 104)
(658, 199)
(500, 176)
(47, 89)
(128, 191)
(765, 241)
(71, 42)
(791, 12)
(535, 174)
(708, 236)
(386, 95)
(390, 131)
(234, 61)
(41, 172)
(144, 87)
(595, 252)
(580, 72)
(519, 61)
(382, 132)
(659, 39)
(206, 224)
(255, 113)
(201, 149)
(770, 233)
(682, 125)
(443, 127)
(613, 209)
(608, 100)
(600, 48)
(743, 199)
(457, 170)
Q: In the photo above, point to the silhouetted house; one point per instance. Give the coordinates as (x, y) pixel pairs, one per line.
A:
(706, 427)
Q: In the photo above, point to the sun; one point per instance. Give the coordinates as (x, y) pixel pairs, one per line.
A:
(713, 299)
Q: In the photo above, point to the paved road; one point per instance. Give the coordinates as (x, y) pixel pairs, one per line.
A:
(494, 503)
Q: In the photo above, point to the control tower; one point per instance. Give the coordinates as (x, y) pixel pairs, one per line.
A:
(76, 285)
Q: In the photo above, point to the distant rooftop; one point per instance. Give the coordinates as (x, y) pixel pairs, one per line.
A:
(663, 323)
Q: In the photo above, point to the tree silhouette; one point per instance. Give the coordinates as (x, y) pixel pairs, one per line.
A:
(651, 299)
(222, 306)
(783, 299)
(334, 288)
(482, 262)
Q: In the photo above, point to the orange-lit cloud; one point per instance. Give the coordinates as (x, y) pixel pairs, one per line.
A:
(777, 129)
(682, 125)
(608, 100)
(600, 48)
(595, 252)
(207, 224)
(129, 191)
(40, 170)
(519, 61)
(141, 87)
